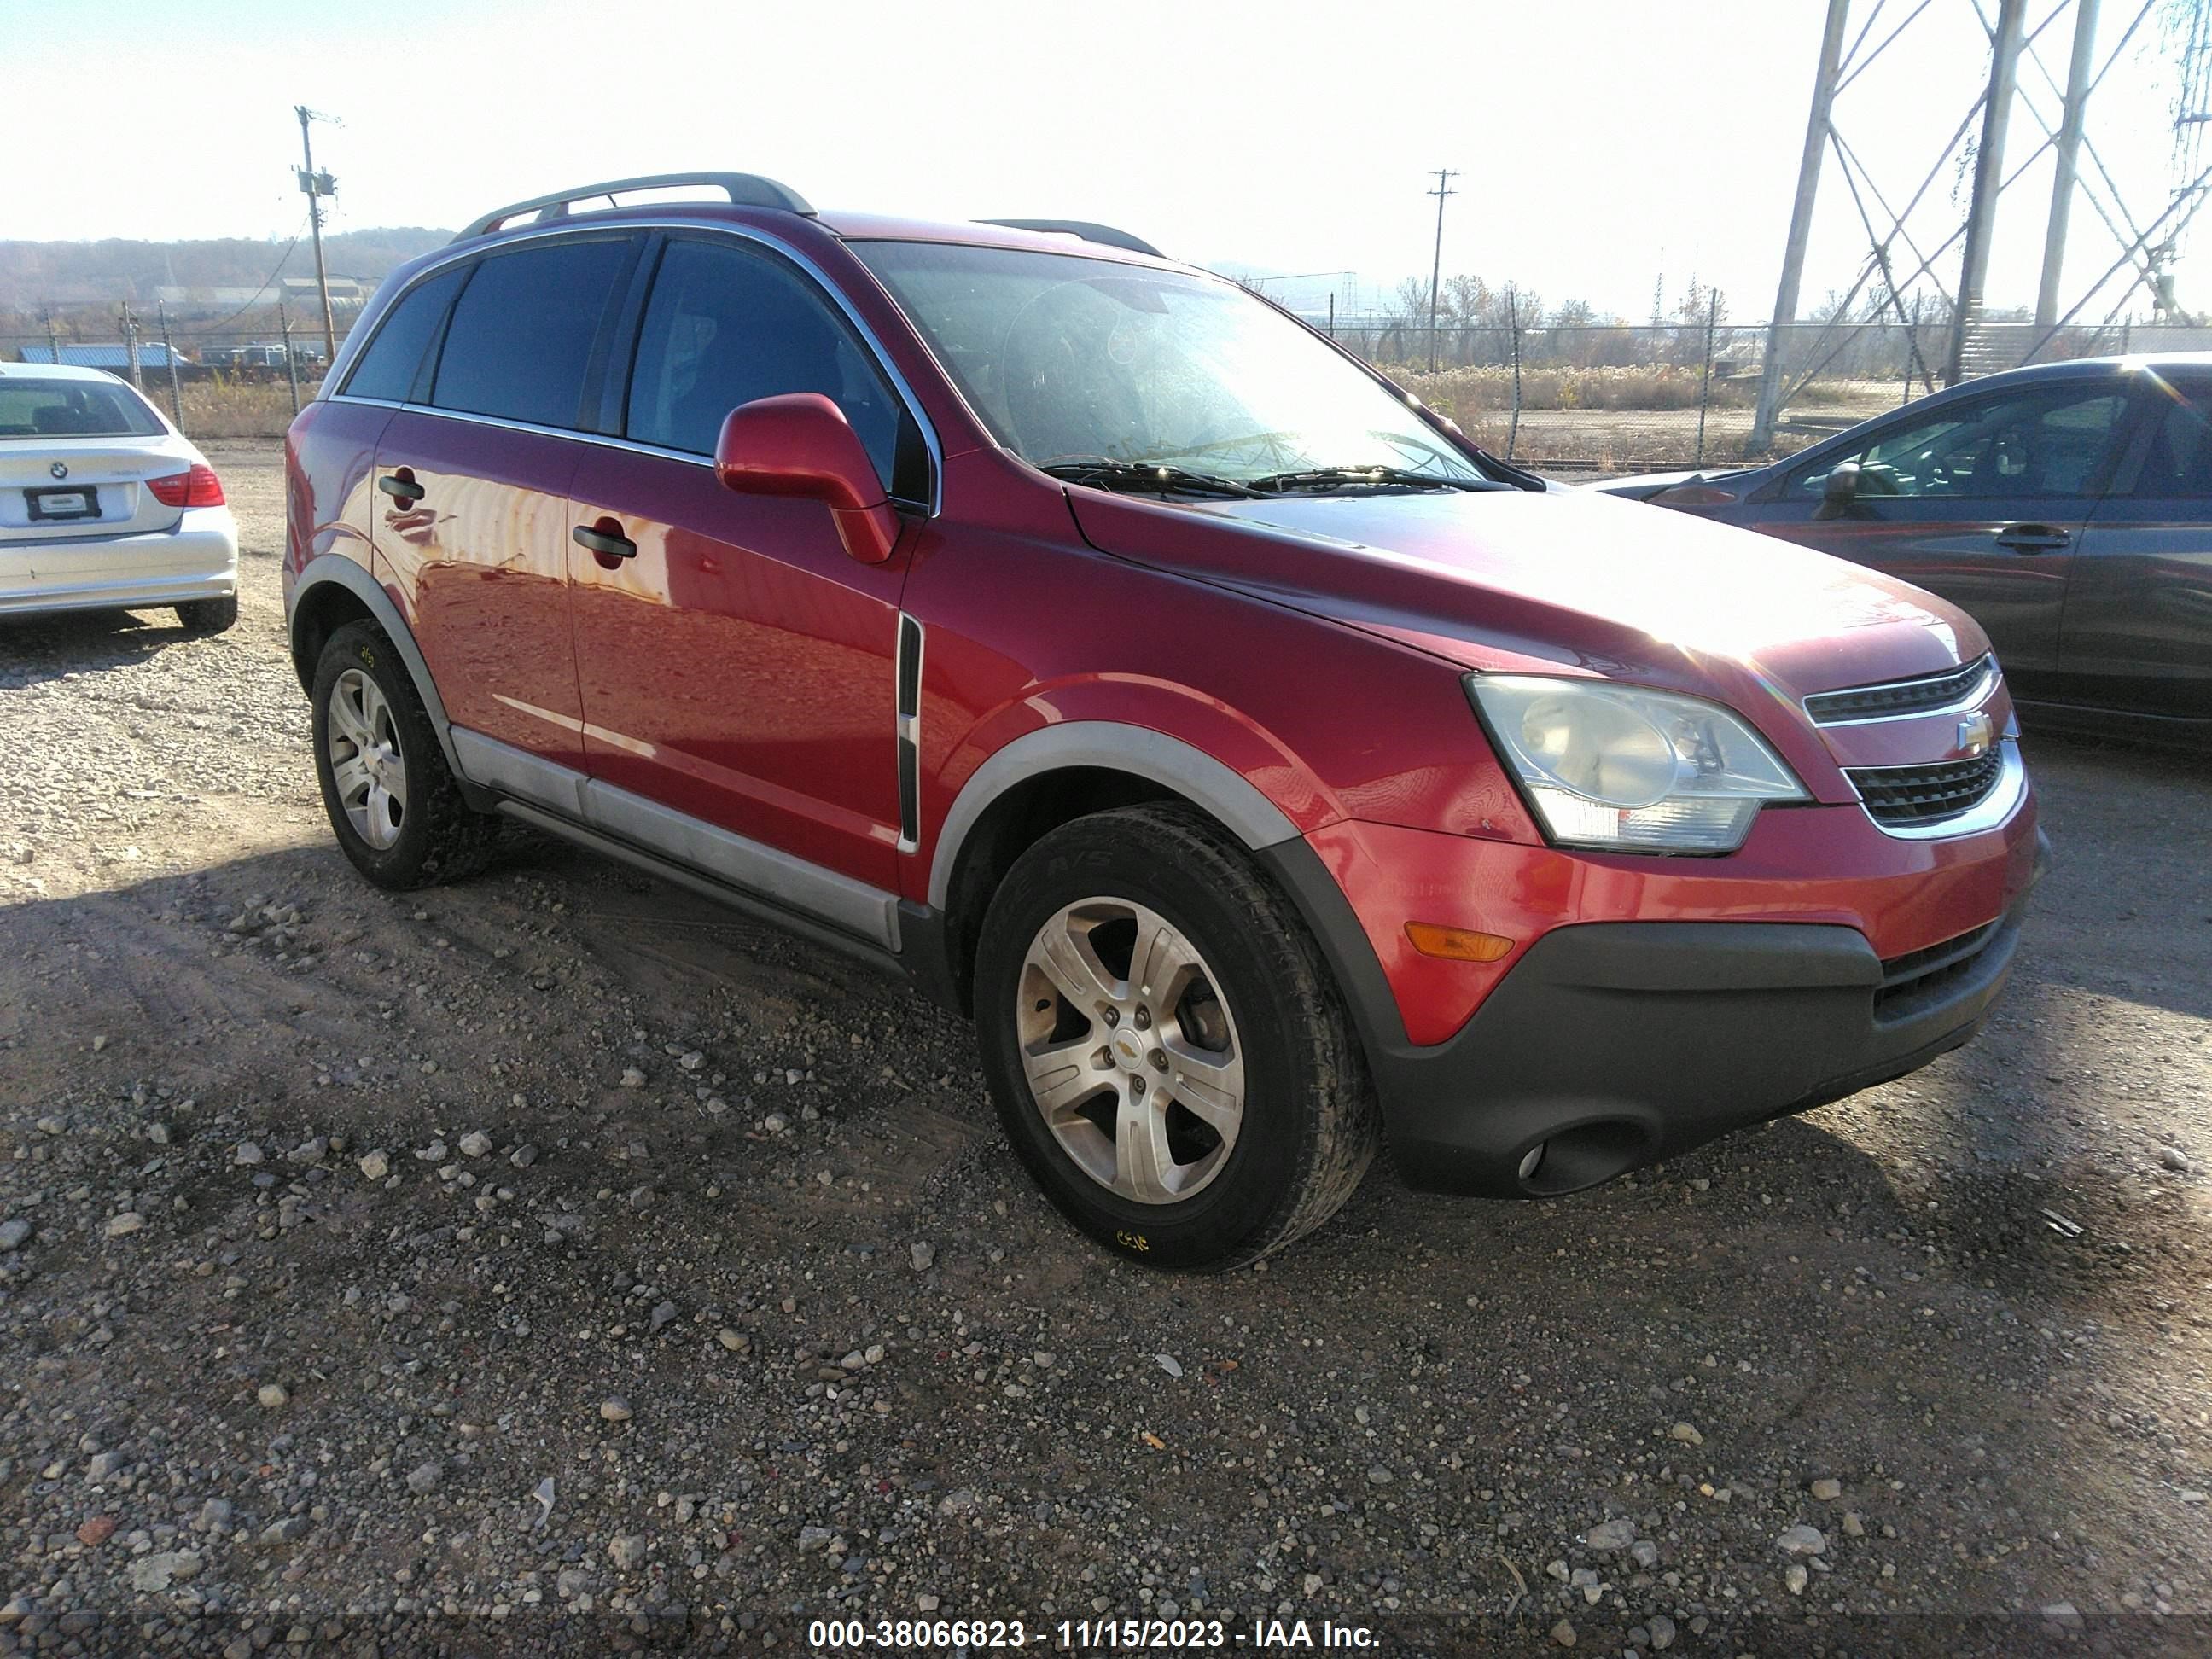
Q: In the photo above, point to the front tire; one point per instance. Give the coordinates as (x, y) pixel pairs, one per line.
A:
(201, 618)
(392, 801)
(1166, 1045)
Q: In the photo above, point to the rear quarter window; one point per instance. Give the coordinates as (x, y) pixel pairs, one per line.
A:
(519, 345)
(388, 368)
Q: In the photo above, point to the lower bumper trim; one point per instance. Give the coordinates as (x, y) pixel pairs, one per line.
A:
(1612, 1045)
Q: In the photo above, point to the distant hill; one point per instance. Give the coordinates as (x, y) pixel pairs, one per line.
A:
(33, 275)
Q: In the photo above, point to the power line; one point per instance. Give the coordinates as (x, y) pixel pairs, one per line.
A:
(210, 328)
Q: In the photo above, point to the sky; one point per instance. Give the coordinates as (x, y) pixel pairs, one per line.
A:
(1601, 145)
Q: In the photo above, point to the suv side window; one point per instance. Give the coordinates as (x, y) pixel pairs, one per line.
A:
(388, 368)
(520, 341)
(2040, 441)
(725, 325)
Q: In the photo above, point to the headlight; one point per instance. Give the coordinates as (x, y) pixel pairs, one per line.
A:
(1613, 766)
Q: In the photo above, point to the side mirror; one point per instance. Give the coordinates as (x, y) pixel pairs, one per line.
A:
(801, 444)
(1840, 490)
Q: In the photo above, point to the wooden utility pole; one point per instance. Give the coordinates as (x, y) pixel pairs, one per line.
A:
(1444, 176)
(1801, 224)
(317, 185)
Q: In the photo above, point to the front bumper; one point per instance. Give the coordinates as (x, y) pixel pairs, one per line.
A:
(196, 561)
(1662, 1006)
(1614, 1044)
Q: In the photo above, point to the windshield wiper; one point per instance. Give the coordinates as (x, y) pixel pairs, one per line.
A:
(1317, 478)
(1150, 477)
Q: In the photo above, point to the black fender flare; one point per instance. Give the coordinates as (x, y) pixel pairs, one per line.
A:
(355, 578)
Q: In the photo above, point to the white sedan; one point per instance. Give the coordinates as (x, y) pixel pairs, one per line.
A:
(104, 505)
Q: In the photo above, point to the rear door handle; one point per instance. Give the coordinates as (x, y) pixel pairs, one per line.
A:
(605, 544)
(401, 487)
(2033, 537)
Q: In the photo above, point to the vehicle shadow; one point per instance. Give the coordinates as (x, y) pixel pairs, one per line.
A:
(36, 649)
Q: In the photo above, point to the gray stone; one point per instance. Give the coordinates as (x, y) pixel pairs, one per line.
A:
(152, 1574)
(1608, 1536)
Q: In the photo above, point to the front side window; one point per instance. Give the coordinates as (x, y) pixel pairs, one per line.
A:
(2031, 442)
(726, 326)
(520, 341)
(388, 367)
(73, 408)
(1069, 359)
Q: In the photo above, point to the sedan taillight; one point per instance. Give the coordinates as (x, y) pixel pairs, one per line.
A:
(197, 487)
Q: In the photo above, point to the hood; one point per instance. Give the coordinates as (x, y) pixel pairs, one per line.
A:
(1643, 486)
(1513, 580)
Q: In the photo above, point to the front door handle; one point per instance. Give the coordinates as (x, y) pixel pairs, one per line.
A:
(2033, 537)
(401, 487)
(608, 547)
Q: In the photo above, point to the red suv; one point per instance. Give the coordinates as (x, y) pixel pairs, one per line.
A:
(1263, 767)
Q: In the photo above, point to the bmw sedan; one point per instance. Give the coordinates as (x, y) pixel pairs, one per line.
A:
(2066, 507)
(104, 505)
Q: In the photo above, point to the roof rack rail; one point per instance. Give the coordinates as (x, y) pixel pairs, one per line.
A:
(1084, 228)
(744, 189)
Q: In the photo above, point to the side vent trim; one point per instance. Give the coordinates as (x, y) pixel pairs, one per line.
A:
(908, 695)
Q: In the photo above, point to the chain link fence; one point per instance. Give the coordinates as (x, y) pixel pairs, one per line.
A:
(244, 375)
(1611, 397)
(1585, 397)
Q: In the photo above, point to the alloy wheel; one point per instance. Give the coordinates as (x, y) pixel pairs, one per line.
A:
(1129, 1051)
(366, 762)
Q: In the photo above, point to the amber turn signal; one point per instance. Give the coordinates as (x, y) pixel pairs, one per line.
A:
(1457, 944)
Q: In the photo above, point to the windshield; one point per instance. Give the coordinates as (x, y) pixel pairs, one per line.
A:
(1069, 359)
(72, 408)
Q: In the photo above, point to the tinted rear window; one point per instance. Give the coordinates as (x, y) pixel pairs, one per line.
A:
(388, 367)
(73, 408)
(520, 339)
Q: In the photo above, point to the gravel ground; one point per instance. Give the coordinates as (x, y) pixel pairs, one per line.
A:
(549, 1263)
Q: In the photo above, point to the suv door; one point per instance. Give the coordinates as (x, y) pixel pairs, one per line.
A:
(736, 666)
(472, 539)
(2138, 628)
(1981, 502)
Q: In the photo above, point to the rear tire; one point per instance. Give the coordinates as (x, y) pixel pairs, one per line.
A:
(393, 802)
(1165, 1044)
(205, 616)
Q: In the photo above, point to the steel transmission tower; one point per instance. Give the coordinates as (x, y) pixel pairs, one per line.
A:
(2017, 79)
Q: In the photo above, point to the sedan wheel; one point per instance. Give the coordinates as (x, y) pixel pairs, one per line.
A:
(1130, 1053)
(367, 766)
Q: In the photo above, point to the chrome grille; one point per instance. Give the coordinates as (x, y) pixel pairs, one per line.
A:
(1929, 793)
(1897, 698)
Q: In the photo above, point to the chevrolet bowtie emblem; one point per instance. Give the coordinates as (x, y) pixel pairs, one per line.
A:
(1976, 733)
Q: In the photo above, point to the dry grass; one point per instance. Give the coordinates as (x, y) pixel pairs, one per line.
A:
(1473, 392)
(223, 408)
